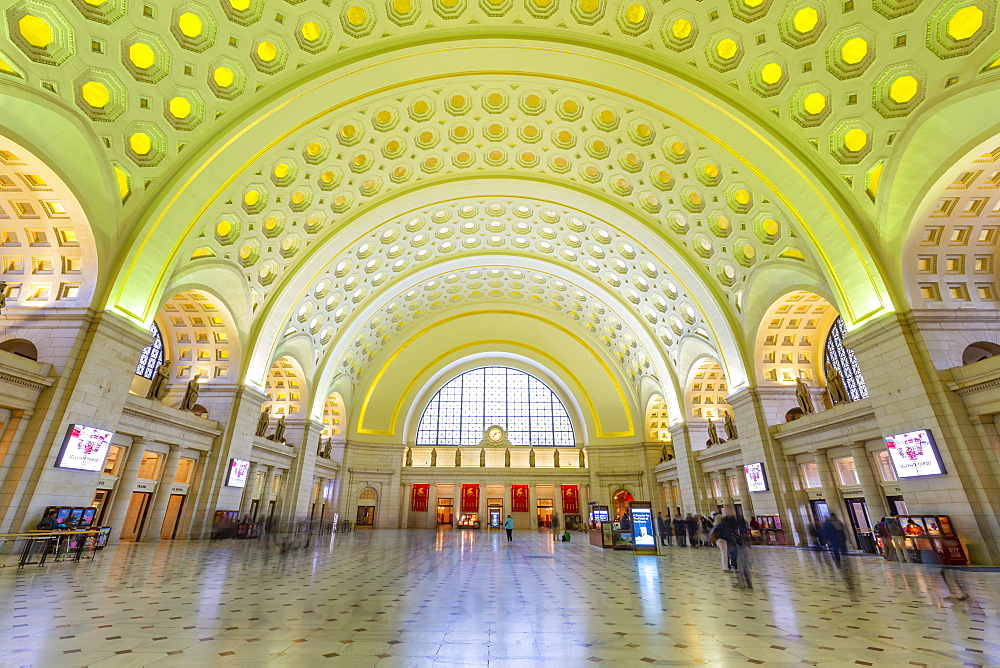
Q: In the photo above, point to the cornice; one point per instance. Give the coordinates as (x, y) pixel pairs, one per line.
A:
(826, 421)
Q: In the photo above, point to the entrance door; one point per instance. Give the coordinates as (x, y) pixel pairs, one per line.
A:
(175, 504)
(495, 520)
(819, 510)
(544, 513)
(897, 504)
(857, 510)
(444, 511)
(253, 509)
(101, 503)
(366, 517)
(135, 517)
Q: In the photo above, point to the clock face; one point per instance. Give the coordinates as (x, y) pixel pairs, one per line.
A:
(494, 433)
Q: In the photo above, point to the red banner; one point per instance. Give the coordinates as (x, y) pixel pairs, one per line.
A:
(571, 499)
(519, 498)
(419, 497)
(470, 498)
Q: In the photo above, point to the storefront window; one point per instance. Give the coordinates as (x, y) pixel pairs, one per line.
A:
(150, 466)
(846, 472)
(185, 469)
(885, 467)
(810, 473)
(114, 460)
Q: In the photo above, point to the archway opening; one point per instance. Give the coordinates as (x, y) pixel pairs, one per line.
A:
(21, 348)
(367, 504)
(979, 351)
(621, 499)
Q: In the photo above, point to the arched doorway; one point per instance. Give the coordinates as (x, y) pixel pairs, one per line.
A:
(621, 499)
(367, 501)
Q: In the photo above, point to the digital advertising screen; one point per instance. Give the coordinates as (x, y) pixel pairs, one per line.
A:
(84, 448)
(756, 479)
(601, 515)
(914, 454)
(238, 470)
(642, 526)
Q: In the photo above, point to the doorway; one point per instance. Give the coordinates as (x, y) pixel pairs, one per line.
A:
(135, 516)
(367, 500)
(544, 513)
(857, 511)
(175, 504)
(445, 511)
(819, 509)
(101, 503)
(897, 505)
(621, 499)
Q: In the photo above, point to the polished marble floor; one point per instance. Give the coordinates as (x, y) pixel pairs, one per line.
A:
(421, 598)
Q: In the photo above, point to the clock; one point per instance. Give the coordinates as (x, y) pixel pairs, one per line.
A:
(495, 434)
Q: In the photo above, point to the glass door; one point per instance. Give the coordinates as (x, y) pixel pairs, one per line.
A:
(857, 511)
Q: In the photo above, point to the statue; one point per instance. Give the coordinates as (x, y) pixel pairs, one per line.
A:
(531, 458)
(555, 457)
(158, 388)
(263, 422)
(458, 456)
(279, 431)
(482, 457)
(730, 426)
(434, 457)
(802, 395)
(713, 434)
(583, 459)
(506, 458)
(835, 385)
(663, 453)
(319, 447)
(409, 456)
(191, 394)
(3, 294)
(328, 450)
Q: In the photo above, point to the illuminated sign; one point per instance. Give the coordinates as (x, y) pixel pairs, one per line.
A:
(238, 469)
(756, 480)
(914, 454)
(84, 448)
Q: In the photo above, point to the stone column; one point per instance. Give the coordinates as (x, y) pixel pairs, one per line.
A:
(406, 496)
(691, 483)
(532, 507)
(124, 488)
(432, 507)
(745, 501)
(161, 497)
(799, 515)
(834, 502)
(248, 491)
(727, 494)
(266, 493)
(195, 490)
(874, 496)
(484, 520)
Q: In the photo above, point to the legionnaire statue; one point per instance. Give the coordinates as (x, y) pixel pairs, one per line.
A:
(506, 458)
(158, 388)
(263, 422)
(663, 453)
(835, 385)
(555, 457)
(458, 456)
(279, 431)
(730, 426)
(3, 294)
(434, 457)
(328, 450)
(482, 457)
(713, 434)
(531, 458)
(802, 396)
(191, 394)
(583, 459)
(409, 456)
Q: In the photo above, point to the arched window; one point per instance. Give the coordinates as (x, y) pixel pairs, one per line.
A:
(495, 395)
(152, 355)
(844, 361)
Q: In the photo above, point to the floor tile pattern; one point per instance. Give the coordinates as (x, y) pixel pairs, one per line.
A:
(457, 598)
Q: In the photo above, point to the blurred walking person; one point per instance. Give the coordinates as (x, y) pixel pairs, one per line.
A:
(663, 528)
(680, 530)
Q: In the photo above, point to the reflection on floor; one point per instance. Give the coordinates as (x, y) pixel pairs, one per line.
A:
(416, 598)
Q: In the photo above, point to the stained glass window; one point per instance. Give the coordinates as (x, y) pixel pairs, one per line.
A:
(494, 395)
(844, 361)
(152, 355)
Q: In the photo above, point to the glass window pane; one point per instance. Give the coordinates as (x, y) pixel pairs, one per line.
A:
(469, 403)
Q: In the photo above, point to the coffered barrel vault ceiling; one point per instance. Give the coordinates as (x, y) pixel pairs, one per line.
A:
(645, 175)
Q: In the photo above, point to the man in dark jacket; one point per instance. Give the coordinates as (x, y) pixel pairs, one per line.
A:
(663, 528)
(680, 530)
(692, 529)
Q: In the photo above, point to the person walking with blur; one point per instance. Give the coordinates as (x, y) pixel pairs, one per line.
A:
(691, 523)
(663, 528)
(508, 526)
(715, 536)
(680, 530)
